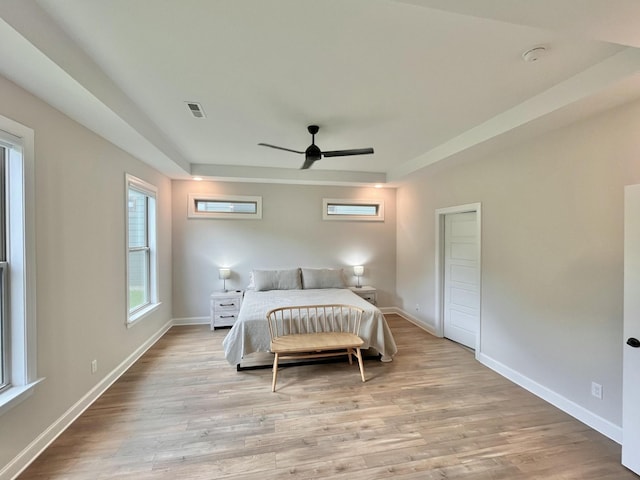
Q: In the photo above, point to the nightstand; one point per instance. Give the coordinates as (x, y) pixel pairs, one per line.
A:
(367, 292)
(225, 307)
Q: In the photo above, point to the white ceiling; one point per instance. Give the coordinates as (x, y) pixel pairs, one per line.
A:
(421, 81)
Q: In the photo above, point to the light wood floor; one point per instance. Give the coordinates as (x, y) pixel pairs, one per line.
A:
(183, 413)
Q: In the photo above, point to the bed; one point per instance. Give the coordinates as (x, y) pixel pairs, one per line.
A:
(250, 333)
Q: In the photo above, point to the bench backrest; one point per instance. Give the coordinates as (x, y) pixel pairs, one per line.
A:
(314, 319)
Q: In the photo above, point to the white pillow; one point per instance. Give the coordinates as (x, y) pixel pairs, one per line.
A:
(277, 279)
(322, 278)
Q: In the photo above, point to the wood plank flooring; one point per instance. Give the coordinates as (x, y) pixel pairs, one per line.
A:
(182, 412)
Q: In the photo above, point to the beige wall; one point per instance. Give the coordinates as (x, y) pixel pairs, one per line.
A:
(290, 234)
(552, 253)
(80, 262)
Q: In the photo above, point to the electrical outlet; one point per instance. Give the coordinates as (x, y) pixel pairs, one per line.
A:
(596, 390)
(94, 366)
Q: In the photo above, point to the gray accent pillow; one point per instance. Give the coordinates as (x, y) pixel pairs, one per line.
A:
(277, 279)
(322, 278)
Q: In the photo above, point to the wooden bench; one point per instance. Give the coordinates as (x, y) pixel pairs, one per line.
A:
(315, 331)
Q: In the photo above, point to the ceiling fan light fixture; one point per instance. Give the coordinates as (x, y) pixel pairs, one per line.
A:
(313, 151)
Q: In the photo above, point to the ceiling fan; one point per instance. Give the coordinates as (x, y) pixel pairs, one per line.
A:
(313, 152)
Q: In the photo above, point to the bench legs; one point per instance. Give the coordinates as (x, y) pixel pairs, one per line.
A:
(275, 372)
(350, 351)
(359, 356)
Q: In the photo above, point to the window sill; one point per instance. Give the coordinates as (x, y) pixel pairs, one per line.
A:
(139, 315)
(16, 395)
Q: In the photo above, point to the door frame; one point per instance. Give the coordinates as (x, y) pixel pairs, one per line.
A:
(439, 265)
(630, 417)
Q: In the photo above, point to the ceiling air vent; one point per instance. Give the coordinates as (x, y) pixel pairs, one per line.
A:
(195, 109)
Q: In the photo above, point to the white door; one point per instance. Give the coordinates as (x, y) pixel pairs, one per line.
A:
(461, 278)
(631, 354)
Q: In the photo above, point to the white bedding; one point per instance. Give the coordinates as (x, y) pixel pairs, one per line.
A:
(250, 333)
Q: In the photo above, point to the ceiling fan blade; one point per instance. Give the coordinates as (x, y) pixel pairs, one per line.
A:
(346, 153)
(313, 152)
(279, 148)
(308, 162)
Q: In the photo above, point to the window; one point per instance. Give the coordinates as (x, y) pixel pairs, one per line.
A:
(4, 294)
(224, 206)
(18, 336)
(141, 248)
(367, 210)
(352, 209)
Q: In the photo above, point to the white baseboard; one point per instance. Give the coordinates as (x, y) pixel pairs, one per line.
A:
(605, 427)
(35, 448)
(410, 318)
(22, 460)
(192, 321)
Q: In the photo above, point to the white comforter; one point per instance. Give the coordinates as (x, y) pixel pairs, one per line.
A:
(251, 333)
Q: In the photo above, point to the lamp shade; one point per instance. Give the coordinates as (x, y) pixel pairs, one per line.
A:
(358, 270)
(224, 273)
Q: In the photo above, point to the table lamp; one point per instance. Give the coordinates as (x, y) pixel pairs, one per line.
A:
(224, 273)
(358, 270)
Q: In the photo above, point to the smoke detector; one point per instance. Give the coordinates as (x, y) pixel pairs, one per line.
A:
(534, 54)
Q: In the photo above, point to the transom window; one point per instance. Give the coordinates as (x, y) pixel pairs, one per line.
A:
(352, 209)
(224, 206)
(367, 210)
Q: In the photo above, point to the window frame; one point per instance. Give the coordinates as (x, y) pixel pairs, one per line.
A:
(193, 198)
(20, 267)
(5, 347)
(4, 295)
(151, 222)
(379, 217)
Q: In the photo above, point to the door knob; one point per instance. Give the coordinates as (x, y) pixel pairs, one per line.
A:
(633, 342)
